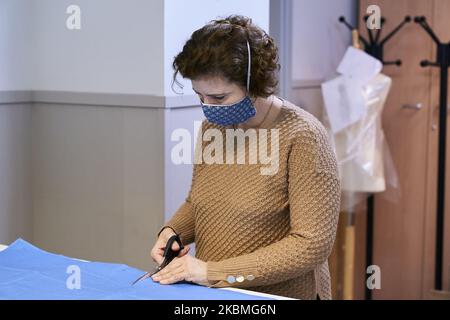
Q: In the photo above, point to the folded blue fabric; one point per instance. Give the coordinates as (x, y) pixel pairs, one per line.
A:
(27, 272)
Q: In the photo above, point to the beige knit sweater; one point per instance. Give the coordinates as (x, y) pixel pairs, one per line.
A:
(267, 233)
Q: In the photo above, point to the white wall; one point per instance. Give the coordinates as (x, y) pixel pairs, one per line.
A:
(120, 47)
(319, 42)
(16, 22)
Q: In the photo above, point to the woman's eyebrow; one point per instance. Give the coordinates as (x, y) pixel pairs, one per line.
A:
(214, 94)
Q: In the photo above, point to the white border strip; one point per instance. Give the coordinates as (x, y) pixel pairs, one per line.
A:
(259, 294)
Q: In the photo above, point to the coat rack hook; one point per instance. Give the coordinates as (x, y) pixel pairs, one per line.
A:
(374, 46)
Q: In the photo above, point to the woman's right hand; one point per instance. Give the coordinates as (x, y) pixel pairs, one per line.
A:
(158, 249)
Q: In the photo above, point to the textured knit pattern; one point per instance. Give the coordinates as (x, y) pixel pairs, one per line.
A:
(274, 232)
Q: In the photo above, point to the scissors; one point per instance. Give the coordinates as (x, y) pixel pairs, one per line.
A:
(169, 255)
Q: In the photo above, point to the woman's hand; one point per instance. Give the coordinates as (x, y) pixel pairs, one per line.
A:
(182, 268)
(158, 249)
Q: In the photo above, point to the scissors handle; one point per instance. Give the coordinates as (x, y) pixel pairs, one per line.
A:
(169, 254)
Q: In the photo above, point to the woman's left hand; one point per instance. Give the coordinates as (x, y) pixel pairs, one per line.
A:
(182, 268)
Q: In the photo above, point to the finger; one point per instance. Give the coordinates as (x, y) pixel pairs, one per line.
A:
(175, 246)
(157, 249)
(172, 277)
(184, 251)
(159, 259)
(168, 269)
(161, 276)
(160, 244)
(157, 256)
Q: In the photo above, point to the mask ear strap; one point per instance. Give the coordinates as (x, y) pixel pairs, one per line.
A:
(249, 67)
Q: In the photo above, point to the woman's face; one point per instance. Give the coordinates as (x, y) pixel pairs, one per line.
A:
(217, 90)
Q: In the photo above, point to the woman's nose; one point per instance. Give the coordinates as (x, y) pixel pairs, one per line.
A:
(207, 100)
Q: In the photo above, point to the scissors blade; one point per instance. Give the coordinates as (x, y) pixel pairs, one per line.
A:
(145, 276)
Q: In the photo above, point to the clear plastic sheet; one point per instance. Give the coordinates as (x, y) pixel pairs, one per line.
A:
(365, 162)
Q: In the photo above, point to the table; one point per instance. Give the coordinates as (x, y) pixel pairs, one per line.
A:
(239, 293)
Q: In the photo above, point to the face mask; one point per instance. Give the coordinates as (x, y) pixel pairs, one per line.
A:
(235, 113)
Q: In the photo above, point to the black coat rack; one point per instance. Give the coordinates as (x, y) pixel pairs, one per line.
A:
(443, 62)
(375, 48)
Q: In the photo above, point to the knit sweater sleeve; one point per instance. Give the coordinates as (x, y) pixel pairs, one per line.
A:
(183, 220)
(314, 201)
(182, 223)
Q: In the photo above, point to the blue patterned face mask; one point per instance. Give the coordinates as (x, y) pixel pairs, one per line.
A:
(228, 114)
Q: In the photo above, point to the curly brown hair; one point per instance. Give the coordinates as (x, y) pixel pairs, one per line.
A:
(220, 49)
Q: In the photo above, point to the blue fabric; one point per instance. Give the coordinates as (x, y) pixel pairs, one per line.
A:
(27, 272)
(229, 114)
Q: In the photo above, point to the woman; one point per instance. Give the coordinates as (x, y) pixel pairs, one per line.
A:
(269, 233)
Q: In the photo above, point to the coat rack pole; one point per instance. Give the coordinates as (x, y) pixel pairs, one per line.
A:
(443, 62)
(441, 179)
(369, 241)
